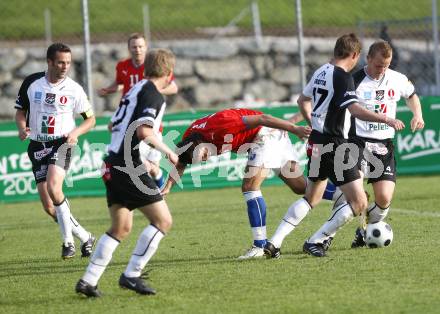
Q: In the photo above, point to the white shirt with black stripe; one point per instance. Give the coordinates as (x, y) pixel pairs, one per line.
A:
(50, 108)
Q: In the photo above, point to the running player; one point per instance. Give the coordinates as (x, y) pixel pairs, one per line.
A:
(127, 183)
(46, 106)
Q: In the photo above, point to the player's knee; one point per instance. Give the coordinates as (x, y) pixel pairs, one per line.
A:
(382, 200)
(165, 224)
(249, 185)
(120, 232)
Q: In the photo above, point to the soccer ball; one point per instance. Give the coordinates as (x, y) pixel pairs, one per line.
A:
(379, 234)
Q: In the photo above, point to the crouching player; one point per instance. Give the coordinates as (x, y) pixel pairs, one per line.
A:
(266, 141)
(127, 183)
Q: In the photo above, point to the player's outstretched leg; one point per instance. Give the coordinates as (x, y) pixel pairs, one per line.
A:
(293, 217)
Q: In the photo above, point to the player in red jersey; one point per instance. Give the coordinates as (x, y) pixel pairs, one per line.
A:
(128, 73)
(267, 143)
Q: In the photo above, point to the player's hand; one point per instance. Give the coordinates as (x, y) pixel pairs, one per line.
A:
(396, 124)
(72, 138)
(24, 133)
(417, 123)
(103, 92)
(166, 189)
(303, 132)
(173, 158)
(110, 126)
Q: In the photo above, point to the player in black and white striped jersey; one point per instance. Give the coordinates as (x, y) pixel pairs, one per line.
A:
(128, 184)
(324, 103)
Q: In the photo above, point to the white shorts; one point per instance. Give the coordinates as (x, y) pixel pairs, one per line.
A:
(149, 153)
(272, 149)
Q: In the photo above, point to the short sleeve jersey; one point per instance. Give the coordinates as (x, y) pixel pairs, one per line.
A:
(332, 91)
(128, 74)
(51, 108)
(380, 96)
(225, 129)
(143, 103)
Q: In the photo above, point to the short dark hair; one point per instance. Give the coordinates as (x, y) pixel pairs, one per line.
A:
(192, 140)
(56, 47)
(346, 45)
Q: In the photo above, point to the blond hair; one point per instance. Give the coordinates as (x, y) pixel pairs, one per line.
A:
(381, 47)
(159, 63)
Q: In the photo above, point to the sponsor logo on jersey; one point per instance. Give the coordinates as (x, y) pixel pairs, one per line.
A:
(375, 126)
(367, 95)
(320, 82)
(350, 93)
(50, 99)
(380, 94)
(48, 125)
(151, 111)
(37, 97)
(391, 93)
(63, 100)
(380, 108)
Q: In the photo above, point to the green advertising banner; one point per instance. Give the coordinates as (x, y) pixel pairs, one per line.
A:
(415, 152)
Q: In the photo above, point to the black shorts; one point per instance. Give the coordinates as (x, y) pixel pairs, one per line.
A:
(383, 151)
(122, 190)
(43, 154)
(327, 161)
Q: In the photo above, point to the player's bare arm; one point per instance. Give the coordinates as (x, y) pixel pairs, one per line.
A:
(20, 121)
(296, 118)
(112, 88)
(417, 122)
(174, 176)
(146, 134)
(366, 115)
(276, 123)
(305, 107)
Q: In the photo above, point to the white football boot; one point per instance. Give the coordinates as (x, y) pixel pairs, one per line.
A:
(253, 252)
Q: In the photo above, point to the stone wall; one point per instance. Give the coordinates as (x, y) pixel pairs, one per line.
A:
(208, 73)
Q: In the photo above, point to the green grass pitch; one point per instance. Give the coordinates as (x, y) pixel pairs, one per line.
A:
(195, 269)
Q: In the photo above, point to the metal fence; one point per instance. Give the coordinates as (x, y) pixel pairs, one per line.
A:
(410, 25)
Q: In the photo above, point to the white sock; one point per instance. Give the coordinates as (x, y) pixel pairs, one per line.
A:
(340, 216)
(376, 213)
(146, 246)
(295, 214)
(100, 259)
(78, 231)
(338, 198)
(63, 217)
